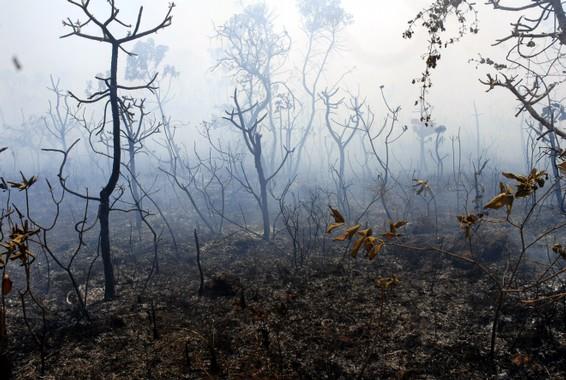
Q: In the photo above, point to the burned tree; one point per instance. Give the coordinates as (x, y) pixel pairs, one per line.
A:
(111, 98)
(136, 131)
(322, 21)
(386, 135)
(144, 64)
(423, 136)
(253, 52)
(253, 140)
(193, 177)
(59, 120)
(342, 134)
(437, 157)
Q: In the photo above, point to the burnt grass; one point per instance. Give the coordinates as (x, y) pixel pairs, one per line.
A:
(262, 317)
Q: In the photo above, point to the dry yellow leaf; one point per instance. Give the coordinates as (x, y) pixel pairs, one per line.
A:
(338, 218)
(332, 226)
(377, 247)
(500, 200)
(347, 235)
(357, 245)
(366, 232)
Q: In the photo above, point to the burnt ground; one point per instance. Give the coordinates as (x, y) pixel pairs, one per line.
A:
(263, 318)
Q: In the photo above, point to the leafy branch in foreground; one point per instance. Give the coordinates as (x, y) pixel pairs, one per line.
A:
(434, 20)
(15, 247)
(373, 244)
(526, 185)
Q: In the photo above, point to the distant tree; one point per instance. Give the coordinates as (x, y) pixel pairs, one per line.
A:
(25, 136)
(137, 128)
(144, 64)
(59, 120)
(379, 141)
(423, 136)
(146, 60)
(252, 52)
(322, 20)
(253, 142)
(342, 134)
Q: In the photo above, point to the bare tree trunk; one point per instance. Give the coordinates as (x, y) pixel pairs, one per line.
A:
(341, 185)
(556, 172)
(262, 192)
(104, 208)
(134, 182)
(422, 164)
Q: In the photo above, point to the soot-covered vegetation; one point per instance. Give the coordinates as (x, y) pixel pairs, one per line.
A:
(305, 230)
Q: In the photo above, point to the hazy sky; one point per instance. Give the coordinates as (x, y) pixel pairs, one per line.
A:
(373, 45)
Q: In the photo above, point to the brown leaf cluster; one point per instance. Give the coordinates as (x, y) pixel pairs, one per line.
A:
(467, 221)
(525, 186)
(17, 248)
(373, 245)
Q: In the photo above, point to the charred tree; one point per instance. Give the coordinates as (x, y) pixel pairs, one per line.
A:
(253, 52)
(111, 98)
(342, 134)
(253, 141)
(322, 21)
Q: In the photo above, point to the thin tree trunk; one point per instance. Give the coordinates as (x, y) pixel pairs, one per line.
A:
(556, 172)
(134, 183)
(106, 192)
(263, 197)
